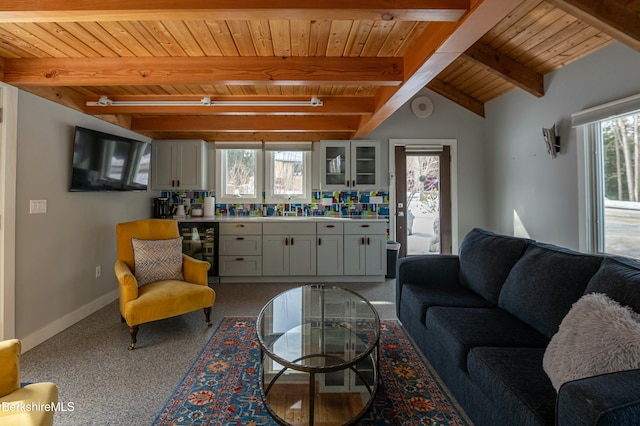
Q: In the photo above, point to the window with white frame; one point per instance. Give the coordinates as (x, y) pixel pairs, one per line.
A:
(239, 170)
(612, 177)
(288, 172)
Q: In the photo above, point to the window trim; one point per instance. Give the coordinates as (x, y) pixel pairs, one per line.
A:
(269, 195)
(591, 168)
(221, 180)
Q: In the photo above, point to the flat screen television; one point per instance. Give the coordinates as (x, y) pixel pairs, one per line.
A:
(104, 162)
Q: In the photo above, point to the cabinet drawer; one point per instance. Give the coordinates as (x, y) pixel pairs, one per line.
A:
(240, 266)
(250, 245)
(330, 228)
(288, 228)
(359, 227)
(240, 228)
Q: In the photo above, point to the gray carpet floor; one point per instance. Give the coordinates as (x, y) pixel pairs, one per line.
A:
(109, 385)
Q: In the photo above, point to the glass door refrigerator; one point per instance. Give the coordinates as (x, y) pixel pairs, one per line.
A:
(200, 241)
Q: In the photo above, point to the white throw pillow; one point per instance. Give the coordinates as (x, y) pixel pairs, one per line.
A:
(597, 336)
(156, 260)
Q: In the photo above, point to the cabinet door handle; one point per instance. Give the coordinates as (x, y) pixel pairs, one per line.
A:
(291, 240)
(286, 241)
(240, 238)
(178, 183)
(173, 183)
(240, 225)
(353, 185)
(347, 184)
(331, 226)
(364, 226)
(319, 241)
(239, 259)
(368, 241)
(362, 241)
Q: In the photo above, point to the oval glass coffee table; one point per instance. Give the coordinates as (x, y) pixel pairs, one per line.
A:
(319, 352)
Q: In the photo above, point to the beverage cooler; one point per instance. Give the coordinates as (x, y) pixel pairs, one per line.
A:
(200, 241)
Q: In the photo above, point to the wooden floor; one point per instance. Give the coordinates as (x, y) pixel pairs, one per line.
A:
(291, 402)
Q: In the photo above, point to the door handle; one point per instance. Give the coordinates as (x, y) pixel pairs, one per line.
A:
(319, 241)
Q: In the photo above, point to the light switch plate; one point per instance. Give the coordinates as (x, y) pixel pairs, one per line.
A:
(37, 206)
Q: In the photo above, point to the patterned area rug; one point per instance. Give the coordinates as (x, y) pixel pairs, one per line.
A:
(222, 385)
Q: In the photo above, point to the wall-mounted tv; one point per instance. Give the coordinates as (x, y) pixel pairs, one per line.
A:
(104, 162)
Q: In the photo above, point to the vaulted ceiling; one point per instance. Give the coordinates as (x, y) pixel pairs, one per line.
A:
(202, 69)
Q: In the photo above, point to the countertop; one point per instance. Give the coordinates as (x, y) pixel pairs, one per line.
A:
(281, 219)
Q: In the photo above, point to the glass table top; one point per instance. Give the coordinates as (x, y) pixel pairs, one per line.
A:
(317, 327)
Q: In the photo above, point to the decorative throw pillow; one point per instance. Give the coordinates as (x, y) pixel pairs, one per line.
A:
(597, 336)
(157, 260)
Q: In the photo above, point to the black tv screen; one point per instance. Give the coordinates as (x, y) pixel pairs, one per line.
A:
(104, 162)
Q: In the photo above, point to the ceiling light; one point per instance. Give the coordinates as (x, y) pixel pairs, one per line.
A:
(104, 101)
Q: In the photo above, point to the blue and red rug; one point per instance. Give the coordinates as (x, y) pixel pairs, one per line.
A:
(222, 385)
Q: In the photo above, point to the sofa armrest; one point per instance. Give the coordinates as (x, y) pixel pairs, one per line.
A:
(425, 269)
(607, 399)
(195, 271)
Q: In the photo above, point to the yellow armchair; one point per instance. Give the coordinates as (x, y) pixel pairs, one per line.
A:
(164, 298)
(32, 404)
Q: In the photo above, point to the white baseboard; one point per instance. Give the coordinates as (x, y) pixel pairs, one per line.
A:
(61, 324)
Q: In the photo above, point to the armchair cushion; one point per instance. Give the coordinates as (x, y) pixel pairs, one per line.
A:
(157, 260)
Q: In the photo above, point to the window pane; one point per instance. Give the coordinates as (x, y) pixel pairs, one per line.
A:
(240, 168)
(620, 185)
(288, 173)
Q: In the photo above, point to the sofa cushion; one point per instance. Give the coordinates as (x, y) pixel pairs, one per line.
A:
(513, 379)
(418, 298)
(486, 259)
(618, 278)
(597, 336)
(461, 329)
(544, 283)
(157, 260)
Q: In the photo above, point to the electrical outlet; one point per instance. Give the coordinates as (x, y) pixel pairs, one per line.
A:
(98, 271)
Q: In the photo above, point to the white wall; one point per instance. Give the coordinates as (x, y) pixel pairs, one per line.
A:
(524, 184)
(448, 121)
(57, 252)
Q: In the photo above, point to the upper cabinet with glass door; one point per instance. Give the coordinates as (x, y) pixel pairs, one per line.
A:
(351, 165)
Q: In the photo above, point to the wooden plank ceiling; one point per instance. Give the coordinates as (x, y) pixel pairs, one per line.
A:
(362, 58)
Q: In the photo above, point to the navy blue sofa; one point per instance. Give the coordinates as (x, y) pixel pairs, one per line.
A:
(483, 319)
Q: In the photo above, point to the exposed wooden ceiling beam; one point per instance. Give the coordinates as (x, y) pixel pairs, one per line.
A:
(612, 17)
(441, 44)
(203, 70)
(334, 105)
(507, 68)
(237, 123)
(124, 10)
(251, 136)
(457, 96)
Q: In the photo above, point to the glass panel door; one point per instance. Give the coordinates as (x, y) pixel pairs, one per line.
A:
(335, 168)
(365, 165)
(423, 204)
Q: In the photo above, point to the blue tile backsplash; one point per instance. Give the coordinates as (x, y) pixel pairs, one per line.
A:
(341, 204)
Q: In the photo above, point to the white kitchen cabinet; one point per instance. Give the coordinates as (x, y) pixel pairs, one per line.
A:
(179, 164)
(365, 248)
(330, 250)
(240, 249)
(288, 249)
(353, 165)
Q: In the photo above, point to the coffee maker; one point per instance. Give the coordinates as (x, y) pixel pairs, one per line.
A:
(161, 208)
